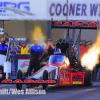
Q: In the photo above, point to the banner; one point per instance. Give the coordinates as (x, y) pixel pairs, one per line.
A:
(23, 64)
(74, 10)
(22, 10)
(47, 9)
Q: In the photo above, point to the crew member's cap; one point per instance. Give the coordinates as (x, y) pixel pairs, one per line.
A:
(35, 39)
(49, 40)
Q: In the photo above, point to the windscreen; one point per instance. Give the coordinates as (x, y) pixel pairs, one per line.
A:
(56, 59)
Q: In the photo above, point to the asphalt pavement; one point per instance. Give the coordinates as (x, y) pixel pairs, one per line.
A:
(57, 93)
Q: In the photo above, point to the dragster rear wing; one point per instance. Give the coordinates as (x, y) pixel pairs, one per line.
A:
(74, 25)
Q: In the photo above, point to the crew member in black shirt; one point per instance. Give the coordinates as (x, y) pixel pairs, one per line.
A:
(3, 47)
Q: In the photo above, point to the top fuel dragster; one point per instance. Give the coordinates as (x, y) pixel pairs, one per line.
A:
(62, 68)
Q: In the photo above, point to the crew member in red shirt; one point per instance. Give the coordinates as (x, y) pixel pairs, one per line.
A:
(83, 49)
(50, 47)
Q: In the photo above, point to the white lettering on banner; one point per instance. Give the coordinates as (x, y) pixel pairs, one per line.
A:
(17, 39)
(74, 10)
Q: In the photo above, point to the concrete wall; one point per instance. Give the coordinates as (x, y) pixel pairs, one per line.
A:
(36, 29)
(39, 29)
(15, 28)
(25, 29)
(89, 35)
(1, 25)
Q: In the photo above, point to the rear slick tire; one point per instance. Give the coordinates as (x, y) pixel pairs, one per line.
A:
(88, 80)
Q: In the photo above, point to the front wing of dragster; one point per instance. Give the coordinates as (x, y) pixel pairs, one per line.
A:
(64, 79)
(27, 81)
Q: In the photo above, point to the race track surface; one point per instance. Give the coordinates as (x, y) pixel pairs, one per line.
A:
(61, 93)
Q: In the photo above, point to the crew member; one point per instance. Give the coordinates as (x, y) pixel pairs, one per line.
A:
(50, 47)
(37, 53)
(83, 49)
(45, 58)
(18, 50)
(88, 47)
(44, 47)
(3, 47)
(24, 48)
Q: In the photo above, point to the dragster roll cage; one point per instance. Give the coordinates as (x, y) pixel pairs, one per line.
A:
(62, 44)
(73, 25)
(27, 81)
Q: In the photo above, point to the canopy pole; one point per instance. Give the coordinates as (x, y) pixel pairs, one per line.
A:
(3, 28)
(79, 39)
